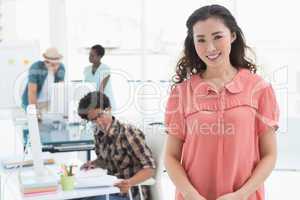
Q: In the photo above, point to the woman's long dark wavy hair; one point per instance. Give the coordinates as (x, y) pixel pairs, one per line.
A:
(190, 63)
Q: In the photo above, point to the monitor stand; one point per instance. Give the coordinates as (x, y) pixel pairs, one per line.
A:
(40, 176)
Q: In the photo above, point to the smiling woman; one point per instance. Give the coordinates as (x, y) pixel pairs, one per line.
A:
(211, 35)
(220, 117)
(212, 40)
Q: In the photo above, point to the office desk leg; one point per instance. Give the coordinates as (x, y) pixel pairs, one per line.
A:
(130, 194)
(88, 155)
(0, 187)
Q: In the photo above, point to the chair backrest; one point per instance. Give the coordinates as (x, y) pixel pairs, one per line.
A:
(19, 87)
(155, 139)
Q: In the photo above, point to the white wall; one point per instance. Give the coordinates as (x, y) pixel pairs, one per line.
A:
(270, 28)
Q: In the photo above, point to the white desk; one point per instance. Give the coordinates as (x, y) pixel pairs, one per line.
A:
(12, 191)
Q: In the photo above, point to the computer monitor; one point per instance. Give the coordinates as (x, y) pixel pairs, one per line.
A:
(59, 99)
(66, 96)
(35, 140)
(40, 177)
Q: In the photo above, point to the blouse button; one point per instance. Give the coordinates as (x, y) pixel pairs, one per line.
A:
(222, 107)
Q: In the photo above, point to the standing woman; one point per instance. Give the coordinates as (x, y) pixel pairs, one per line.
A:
(99, 73)
(220, 117)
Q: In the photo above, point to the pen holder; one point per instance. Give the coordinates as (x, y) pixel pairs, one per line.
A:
(67, 183)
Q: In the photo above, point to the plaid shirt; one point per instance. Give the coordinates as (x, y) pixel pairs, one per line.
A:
(122, 150)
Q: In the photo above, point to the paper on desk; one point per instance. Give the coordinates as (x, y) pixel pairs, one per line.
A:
(101, 181)
(91, 173)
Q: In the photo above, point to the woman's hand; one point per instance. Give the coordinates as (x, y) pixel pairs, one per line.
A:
(193, 196)
(124, 185)
(232, 196)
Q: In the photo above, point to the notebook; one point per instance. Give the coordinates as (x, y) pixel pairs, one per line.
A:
(91, 173)
(94, 178)
(29, 181)
(101, 181)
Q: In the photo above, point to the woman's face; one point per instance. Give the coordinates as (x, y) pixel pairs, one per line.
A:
(93, 57)
(212, 40)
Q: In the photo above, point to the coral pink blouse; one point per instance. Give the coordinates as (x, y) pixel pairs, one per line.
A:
(220, 130)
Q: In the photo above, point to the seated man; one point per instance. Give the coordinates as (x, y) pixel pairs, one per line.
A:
(120, 148)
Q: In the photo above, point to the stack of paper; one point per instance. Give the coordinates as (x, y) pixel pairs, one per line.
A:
(94, 178)
(39, 191)
(36, 185)
(102, 181)
(91, 173)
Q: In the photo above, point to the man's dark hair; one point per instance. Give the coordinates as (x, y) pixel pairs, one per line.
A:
(100, 51)
(93, 100)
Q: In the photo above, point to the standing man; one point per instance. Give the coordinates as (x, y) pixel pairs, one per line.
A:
(41, 75)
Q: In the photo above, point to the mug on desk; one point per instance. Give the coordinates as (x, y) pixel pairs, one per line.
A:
(67, 179)
(67, 182)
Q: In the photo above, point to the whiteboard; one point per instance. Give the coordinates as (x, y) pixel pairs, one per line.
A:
(15, 59)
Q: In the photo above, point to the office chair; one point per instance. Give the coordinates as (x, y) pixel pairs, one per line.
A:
(155, 139)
